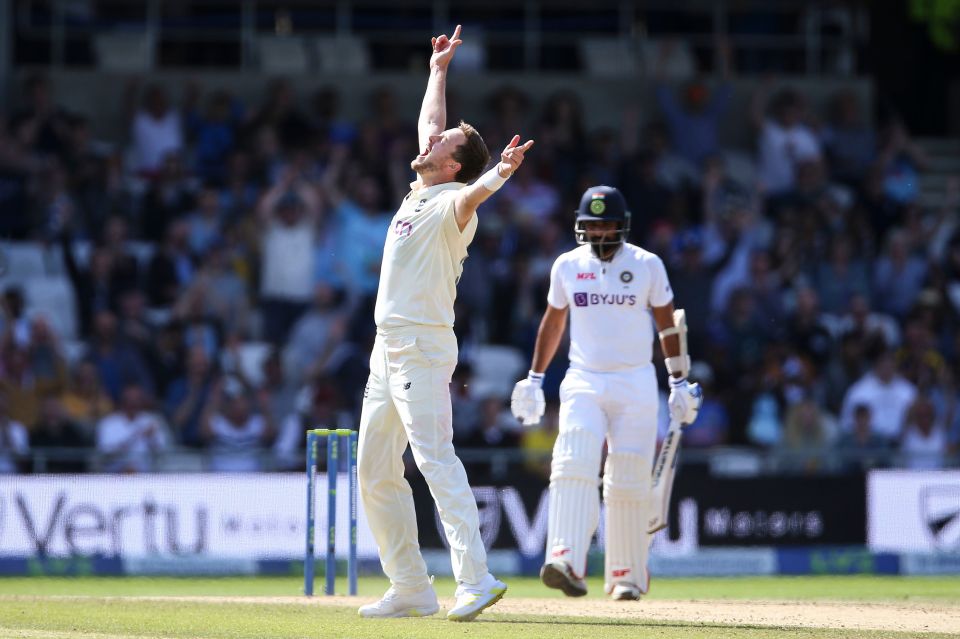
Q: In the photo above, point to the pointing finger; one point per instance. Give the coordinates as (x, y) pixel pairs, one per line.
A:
(513, 143)
(456, 33)
(526, 145)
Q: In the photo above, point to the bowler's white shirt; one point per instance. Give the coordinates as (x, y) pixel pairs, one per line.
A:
(422, 260)
(611, 327)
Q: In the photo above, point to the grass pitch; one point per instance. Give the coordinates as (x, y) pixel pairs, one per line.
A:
(137, 608)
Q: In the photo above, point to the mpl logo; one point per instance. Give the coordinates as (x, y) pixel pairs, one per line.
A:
(940, 509)
(586, 276)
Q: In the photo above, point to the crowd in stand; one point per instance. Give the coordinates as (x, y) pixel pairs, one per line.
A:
(823, 301)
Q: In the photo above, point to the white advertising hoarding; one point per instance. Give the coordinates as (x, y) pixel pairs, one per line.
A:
(913, 511)
(190, 515)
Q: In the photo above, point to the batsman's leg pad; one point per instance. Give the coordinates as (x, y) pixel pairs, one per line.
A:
(574, 497)
(626, 492)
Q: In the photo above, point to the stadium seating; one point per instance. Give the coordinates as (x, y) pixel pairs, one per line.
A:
(343, 54)
(282, 54)
(125, 52)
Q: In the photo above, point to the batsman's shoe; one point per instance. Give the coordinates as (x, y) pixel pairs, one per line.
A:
(472, 600)
(625, 592)
(559, 575)
(394, 604)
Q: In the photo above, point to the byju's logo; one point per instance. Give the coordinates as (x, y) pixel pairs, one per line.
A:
(940, 509)
(605, 299)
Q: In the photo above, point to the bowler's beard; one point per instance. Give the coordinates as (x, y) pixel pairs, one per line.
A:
(423, 166)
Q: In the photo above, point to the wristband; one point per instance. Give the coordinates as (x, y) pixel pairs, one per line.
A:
(676, 382)
(492, 180)
(535, 378)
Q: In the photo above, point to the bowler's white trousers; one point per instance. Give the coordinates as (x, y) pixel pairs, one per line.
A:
(407, 399)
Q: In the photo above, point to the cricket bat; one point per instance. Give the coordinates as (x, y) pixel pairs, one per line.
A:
(664, 469)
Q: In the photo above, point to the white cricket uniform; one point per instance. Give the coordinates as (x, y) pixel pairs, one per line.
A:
(609, 392)
(407, 397)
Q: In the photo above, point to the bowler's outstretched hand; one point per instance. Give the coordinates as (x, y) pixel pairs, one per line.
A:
(512, 156)
(444, 47)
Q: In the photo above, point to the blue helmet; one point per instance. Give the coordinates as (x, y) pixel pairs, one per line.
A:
(602, 204)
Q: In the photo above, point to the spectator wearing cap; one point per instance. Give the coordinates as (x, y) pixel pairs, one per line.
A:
(129, 440)
(288, 214)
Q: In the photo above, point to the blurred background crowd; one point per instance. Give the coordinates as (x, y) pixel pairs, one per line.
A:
(217, 261)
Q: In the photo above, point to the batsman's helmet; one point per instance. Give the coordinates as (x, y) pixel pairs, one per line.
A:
(602, 204)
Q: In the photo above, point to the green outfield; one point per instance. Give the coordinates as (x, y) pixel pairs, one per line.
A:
(131, 608)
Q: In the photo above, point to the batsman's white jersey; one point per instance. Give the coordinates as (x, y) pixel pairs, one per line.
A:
(609, 393)
(422, 260)
(610, 324)
(407, 398)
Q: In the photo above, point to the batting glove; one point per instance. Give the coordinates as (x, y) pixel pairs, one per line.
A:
(684, 401)
(527, 401)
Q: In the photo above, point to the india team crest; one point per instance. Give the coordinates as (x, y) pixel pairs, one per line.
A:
(597, 207)
(626, 277)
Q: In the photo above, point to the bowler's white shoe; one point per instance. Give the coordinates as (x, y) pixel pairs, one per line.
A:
(394, 604)
(558, 574)
(474, 599)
